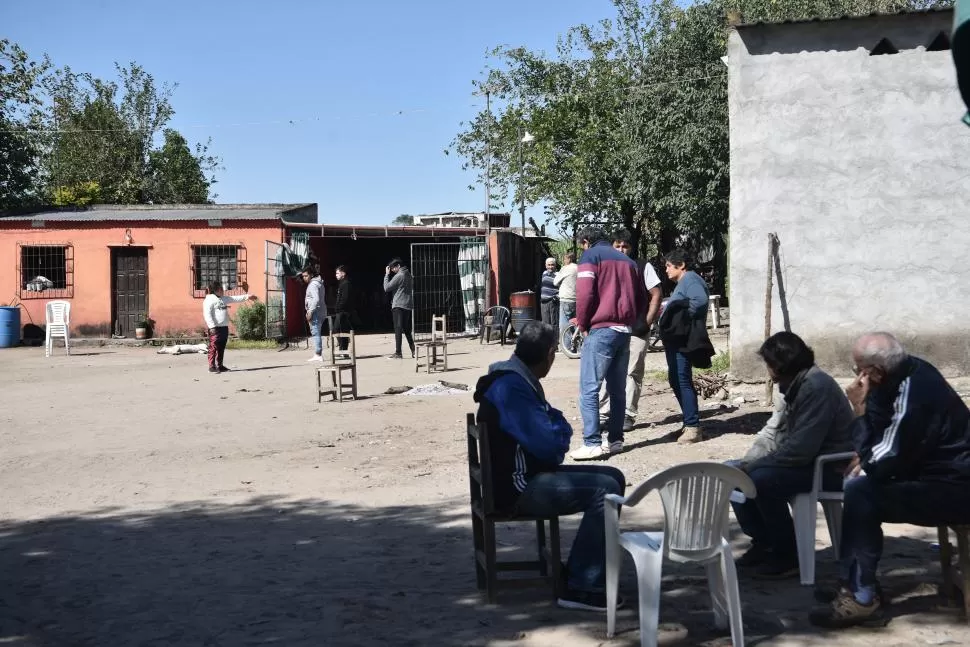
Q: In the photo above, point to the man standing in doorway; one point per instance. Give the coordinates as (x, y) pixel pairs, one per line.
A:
(316, 309)
(610, 298)
(622, 241)
(399, 284)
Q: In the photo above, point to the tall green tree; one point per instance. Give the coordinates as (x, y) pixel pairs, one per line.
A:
(19, 107)
(176, 175)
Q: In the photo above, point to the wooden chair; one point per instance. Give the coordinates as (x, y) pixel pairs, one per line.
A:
(439, 339)
(338, 362)
(485, 516)
(950, 582)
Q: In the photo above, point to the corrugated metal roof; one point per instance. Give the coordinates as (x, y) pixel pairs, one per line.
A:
(876, 14)
(169, 213)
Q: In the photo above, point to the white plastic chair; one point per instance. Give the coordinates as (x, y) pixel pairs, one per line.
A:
(58, 325)
(805, 514)
(695, 501)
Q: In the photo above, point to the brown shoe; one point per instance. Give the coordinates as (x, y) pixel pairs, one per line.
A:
(845, 611)
(691, 435)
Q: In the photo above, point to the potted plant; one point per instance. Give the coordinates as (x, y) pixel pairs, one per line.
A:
(143, 327)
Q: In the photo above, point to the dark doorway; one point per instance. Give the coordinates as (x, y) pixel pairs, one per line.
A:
(129, 288)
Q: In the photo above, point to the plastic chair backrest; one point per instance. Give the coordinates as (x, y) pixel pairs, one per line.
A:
(58, 313)
(695, 500)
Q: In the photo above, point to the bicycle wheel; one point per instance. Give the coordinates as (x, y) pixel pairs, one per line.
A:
(571, 342)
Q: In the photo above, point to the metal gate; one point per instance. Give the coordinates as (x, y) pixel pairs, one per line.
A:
(449, 279)
(275, 291)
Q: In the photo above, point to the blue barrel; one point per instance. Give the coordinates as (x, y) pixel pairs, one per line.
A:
(9, 326)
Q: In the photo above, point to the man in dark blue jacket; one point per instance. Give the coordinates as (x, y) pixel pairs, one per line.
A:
(529, 440)
(912, 437)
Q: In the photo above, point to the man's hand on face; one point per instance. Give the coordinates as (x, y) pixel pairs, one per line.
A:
(387, 270)
(857, 392)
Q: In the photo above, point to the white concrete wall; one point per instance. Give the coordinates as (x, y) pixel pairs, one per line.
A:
(861, 165)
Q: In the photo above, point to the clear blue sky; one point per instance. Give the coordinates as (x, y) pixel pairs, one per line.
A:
(342, 70)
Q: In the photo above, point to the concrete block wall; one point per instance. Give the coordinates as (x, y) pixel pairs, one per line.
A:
(861, 165)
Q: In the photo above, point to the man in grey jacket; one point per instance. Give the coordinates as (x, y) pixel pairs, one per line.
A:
(399, 284)
(316, 309)
(813, 418)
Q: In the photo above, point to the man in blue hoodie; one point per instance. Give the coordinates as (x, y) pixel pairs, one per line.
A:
(529, 440)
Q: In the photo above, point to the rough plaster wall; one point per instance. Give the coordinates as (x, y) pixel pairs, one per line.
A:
(861, 166)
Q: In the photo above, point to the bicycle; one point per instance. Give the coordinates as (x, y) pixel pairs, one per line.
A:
(571, 341)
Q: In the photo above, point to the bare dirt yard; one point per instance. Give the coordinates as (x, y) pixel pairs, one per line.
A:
(147, 502)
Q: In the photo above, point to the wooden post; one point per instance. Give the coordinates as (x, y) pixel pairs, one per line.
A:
(772, 242)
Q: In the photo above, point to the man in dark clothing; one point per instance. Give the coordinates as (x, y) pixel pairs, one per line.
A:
(529, 440)
(813, 418)
(549, 294)
(343, 309)
(912, 437)
(399, 284)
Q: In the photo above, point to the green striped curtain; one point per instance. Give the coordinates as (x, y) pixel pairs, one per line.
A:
(471, 272)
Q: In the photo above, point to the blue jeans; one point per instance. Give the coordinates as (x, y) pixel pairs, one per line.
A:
(567, 310)
(868, 504)
(316, 331)
(766, 518)
(605, 356)
(568, 490)
(680, 374)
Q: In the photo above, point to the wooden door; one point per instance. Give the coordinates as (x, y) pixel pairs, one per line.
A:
(129, 288)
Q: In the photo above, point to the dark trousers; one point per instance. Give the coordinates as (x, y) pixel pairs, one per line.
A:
(218, 337)
(341, 324)
(868, 504)
(402, 326)
(568, 490)
(550, 313)
(766, 518)
(680, 375)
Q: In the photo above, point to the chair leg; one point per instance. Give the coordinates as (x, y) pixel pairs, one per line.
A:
(963, 550)
(478, 540)
(541, 547)
(353, 377)
(718, 591)
(491, 583)
(444, 350)
(805, 515)
(946, 562)
(730, 574)
(649, 565)
(319, 389)
(614, 559)
(833, 519)
(67, 342)
(555, 556)
(47, 342)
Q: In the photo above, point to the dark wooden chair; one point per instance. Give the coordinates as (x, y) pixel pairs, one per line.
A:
(951, 583)
(496, 320)
(548, 565)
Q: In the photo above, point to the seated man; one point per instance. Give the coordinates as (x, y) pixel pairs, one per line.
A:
(812, 418)
(529, 440)
(913, 466)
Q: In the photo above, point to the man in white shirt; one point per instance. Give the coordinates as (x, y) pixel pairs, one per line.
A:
(215, 312)
(639, 338)
(566, 282)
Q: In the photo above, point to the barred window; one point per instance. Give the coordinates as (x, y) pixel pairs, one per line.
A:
(45, 271)
(223, 263)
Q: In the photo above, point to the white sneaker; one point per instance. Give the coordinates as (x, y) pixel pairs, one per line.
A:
(316, 358)
(586, 453)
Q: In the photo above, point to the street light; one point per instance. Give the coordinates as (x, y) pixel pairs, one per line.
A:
(527, 138)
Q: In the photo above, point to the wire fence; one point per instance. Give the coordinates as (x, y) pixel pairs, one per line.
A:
(449, 280)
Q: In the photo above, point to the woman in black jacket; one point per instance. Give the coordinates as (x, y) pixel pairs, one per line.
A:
(343, 309)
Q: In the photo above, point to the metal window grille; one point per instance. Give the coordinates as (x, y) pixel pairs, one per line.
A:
(449, 279)
(45, 271)
(223, 263)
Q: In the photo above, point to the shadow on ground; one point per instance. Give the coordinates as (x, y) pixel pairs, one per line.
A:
(317, 573)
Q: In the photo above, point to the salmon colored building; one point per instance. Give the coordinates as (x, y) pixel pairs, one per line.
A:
(117, 264)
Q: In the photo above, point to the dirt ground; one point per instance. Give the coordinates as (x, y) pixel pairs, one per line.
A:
(147, 502)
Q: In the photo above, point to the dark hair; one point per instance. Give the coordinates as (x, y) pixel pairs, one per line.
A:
(569, 256)
(786, 354)
(592, 234)
(342, 268)
(311, 269)
(623, 235)
(395, 262)
(214, 287)
(680, 257)
(535, 340)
